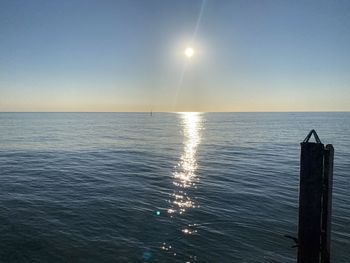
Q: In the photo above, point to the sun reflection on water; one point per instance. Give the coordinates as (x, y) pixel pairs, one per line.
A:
(185, 171)
(185, 181)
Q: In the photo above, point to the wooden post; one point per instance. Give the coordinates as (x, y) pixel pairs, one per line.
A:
(311, 169)
(327, 204)
(316, 164)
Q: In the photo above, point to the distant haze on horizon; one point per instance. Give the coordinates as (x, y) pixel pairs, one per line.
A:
(129, 55)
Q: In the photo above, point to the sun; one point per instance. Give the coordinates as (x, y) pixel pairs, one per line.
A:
(189, 52)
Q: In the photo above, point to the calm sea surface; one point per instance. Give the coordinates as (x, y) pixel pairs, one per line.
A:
(172, 187)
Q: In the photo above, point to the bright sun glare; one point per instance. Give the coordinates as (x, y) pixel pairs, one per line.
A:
(189, 52)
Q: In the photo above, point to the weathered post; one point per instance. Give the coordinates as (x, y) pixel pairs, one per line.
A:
(327, 204)
(310, 192)
(316, 166)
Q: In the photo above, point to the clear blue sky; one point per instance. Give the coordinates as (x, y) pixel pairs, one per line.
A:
(128, 55)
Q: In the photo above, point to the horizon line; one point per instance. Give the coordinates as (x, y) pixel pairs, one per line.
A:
(315, 111)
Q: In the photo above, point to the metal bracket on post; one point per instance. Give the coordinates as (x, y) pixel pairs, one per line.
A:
(312, 132)
(315, 199)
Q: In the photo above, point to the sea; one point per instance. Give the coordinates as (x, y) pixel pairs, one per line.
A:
(162, 187)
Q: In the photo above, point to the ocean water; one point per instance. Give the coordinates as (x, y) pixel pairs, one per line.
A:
(172, 187)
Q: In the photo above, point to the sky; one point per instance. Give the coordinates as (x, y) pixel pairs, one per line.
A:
(106, 55)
